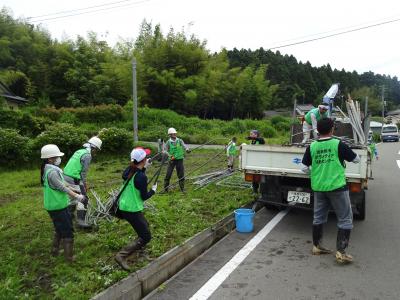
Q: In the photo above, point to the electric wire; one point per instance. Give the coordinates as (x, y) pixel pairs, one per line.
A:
(89, 12)
(335, 34)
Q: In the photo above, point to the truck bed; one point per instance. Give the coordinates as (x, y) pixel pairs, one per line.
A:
(286, 161)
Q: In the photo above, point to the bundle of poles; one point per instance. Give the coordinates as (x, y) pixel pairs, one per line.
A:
(354, 115)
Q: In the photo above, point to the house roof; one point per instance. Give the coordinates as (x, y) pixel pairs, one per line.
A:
(6, 93)
(303, 108)
(393, 112)
(375, 124)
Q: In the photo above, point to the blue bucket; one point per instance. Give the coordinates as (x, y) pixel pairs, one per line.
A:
(244, 219)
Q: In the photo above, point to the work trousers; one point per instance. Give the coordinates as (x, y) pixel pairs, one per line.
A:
(139, 224)
(231, 161)
(62, 222)
(307, 129)
(339, 201)
(178, 163)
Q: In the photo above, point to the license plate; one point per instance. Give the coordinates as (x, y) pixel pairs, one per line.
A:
(298, 197)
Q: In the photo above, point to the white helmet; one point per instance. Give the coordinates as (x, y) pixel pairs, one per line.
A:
(50, 150)
(95, 141)
(171, 130)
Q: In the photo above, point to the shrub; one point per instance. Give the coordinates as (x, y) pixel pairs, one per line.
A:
(282, 126)
(278, 119)
(25, 123)
(92, 114)
(116, 140)
(67, 137)
(268, 131)
(14, 148)
(153, 133)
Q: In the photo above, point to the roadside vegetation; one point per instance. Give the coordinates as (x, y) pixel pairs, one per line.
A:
(23, 133)
(27, 270)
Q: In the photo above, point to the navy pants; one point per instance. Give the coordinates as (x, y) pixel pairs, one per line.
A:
(62, 222)
(139, 224)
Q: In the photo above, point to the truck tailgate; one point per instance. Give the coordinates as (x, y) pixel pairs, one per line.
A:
(286, 161)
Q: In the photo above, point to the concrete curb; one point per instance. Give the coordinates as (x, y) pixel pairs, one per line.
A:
(141, 283)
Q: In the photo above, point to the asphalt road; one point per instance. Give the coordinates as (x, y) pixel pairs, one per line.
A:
(281, 266)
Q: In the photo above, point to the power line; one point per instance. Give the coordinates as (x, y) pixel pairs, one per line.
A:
(87, 12)
(335, 34)
(334, 30)
(78, 9)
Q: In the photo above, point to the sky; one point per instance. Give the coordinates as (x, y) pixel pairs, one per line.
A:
(247, 24)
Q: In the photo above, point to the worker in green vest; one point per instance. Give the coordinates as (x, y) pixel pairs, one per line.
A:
(133, 194)
(76, 172)
(231, 153)
(311, 119)
(56, 200)
(326, 159)
(175, 148)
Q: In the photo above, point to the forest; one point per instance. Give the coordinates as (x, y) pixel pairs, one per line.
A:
(174, 71)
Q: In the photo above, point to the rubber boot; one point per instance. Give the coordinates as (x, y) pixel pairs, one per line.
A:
(68, 245)
(56, 244)
(182, 185)
(123, 254)
(81, 219)
(343, 237)
(317, 233)
(166, 184)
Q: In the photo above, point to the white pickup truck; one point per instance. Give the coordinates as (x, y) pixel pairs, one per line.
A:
(282, 183)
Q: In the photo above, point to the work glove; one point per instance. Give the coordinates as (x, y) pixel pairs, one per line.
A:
(172, 157)
(154, 187)
(80, 198)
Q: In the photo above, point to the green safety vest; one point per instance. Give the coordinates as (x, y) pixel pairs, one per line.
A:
(232, 151)
(74, 167)
(372, 148)
(176, 149)
(54, 199)
(327, 173)
(317, 114)
(130, 199)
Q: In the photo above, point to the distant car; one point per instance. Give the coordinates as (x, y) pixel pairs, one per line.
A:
(390, 132)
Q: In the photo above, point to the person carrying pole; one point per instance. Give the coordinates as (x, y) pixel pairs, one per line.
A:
(328, 181)
(175, 148)
(130, 206)
(56, 200)
(231, 152)
(255, 140)
(311, 119)
(76, 172)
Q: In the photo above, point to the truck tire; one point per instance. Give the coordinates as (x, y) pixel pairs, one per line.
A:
(361, 209)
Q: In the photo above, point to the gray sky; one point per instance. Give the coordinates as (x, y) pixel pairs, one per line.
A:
(245, 24)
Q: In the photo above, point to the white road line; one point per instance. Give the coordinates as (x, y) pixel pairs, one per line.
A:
(398, 163)
(214, 282)
(399, 152)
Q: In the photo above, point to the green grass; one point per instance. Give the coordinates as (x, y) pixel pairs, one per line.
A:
(27, 271)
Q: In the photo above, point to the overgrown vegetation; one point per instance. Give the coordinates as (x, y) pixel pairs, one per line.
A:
(22, 134)
(27, 271)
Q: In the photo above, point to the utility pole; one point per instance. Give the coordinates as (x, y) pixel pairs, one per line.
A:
(383, 103)
(134, 96)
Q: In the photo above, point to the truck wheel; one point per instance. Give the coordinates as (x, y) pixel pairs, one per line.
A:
(361, 210)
